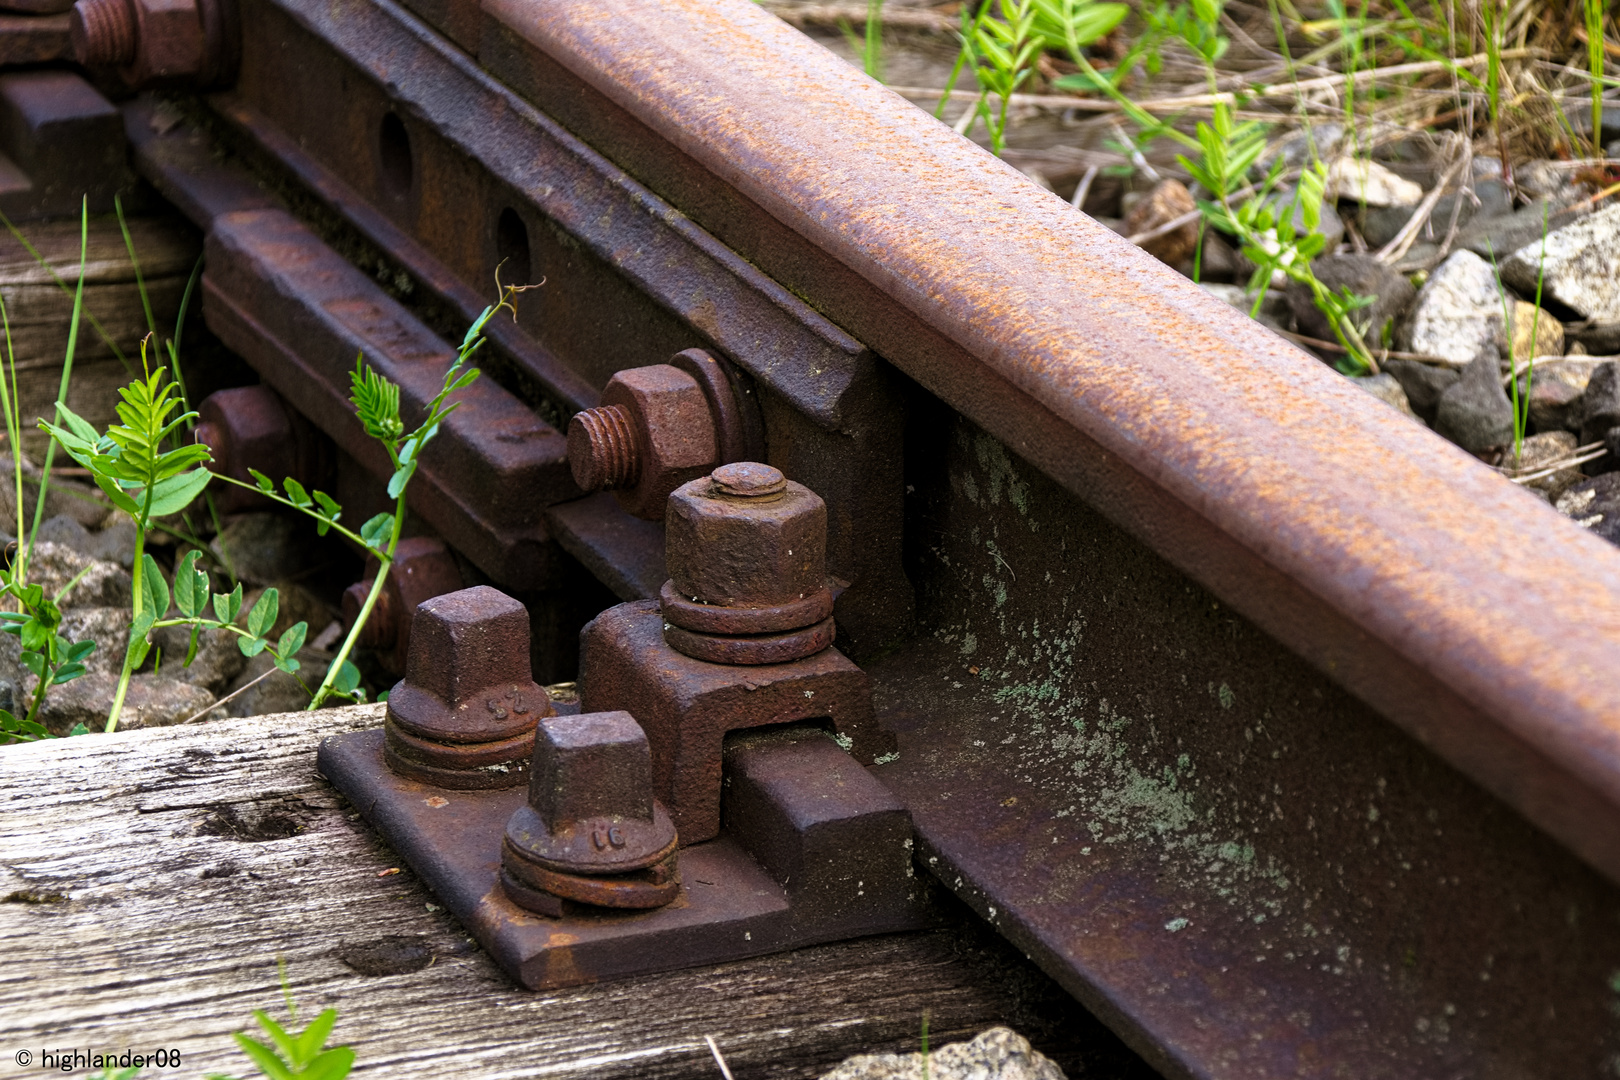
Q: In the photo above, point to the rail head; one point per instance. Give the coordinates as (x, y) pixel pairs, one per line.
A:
(1109, 371)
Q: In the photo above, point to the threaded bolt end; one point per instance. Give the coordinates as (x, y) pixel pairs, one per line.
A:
(602, 448)
(102, 33)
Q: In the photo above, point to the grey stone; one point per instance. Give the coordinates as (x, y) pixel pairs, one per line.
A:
(1302, 146)
(151, 701)
(1363, 275)
(1457, 314)
(278, 691)
(1501, 236)
(1600, 404)
(1594, 504)
(1554, 406)
(83, 503)
(114, 542)
(1386, 388)
(104, 584)
(108, 627)
(265, 548)
(1553, 181)
(1475, 412)
(1578, 267)
(1490, 199)
(1368, 183)
(217, 662)
(1423, 383)
(997, 1054)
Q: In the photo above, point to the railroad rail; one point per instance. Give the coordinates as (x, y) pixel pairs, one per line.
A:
(1280, 732)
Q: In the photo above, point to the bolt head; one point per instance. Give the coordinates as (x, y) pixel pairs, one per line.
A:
(592, 765)
(746, 550)
(467, 678)
(590, 808)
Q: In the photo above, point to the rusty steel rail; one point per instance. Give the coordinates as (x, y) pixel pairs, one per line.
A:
(1389, 559)
(1280, 731)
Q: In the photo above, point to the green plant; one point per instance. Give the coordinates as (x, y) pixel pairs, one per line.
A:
(300, 1055)
(1003, 41)
(290, 1055)
(146, 481)
(870, 46)
(52, 658)
(376, 402)
(1593, 10)
(1521, 399)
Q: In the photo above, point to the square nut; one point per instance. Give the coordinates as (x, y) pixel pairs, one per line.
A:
(745, 551)
(674, 432)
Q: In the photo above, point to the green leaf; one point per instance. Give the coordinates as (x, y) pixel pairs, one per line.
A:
(79, 650)
(348, 679)
(36, 636)
(139, 646)
(401, 477)
(374, 533)
(156, 590)
(292, 640)
(266, 485)
(78, 729)
(263, 615)
(228, 605)
(35, 662)
(265, 1058)
(174, 494)
(328, 505)
(296, 492)
(286, 1045)
(334, 1064)
(67, 673)
(308, 1044)
(191, 645)
(190, 586)
(252, 646)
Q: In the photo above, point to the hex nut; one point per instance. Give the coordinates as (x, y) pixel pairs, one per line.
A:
(172, 44)
(652, 433)
(740, 551)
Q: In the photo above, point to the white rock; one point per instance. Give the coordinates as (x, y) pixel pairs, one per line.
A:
(997, 1054)
(1361, 181)
(1578, 269)
(1457, 313)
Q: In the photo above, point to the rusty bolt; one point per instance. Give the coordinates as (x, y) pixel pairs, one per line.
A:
(651, 434)
(152, 41)
(102, 33)
(746, 553)
(465, 713)
(591, 831)
(423, 568)
(250, 427)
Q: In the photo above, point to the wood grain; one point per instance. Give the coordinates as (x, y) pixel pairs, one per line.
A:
(40, 312)
(151, 879)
